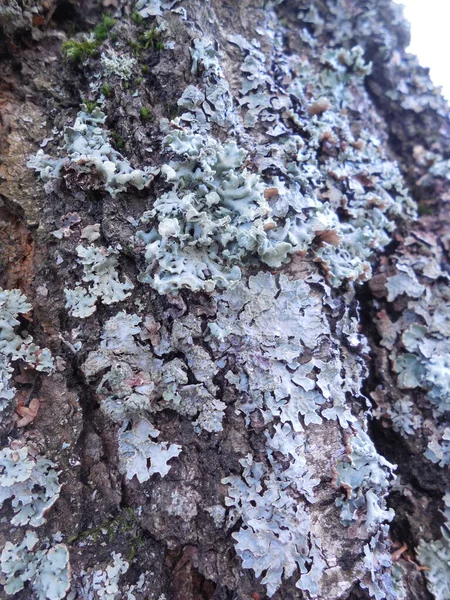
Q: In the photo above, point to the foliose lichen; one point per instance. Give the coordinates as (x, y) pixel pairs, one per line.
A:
(16, 347)
(102, 277)
(46, 569)
(312, 184)
(435, 557)
(30, 482)
(89, 152)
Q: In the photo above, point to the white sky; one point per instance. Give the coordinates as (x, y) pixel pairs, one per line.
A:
(430, 37)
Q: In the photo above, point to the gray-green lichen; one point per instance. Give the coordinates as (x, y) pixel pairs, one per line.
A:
(364, 475)
(89, 154)
(46, 569)
(419, 344)
(435, 557)
(264, 173)
(100, 273)
(15, 347)
(30, 482)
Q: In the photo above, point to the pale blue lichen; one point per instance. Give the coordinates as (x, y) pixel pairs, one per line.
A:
(212, 219)
(104, 583)
(212, 102)
(30, 482)
(153, 8)
(101, 275)
(278, 319)
(374, 188)
(376, 567)
(365, 476)
(275, 534)
(88, 149)
(46, 570)
(272, 334)
(420, 356)
(15, 347)
(139, 382)
(137, 448)
(435, 556)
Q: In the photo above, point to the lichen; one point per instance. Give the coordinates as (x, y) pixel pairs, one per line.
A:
(419, 344)
(88, 150)
(104, 583)
(114, 64)
(30, 482)
(212, 218)
(301, 178)
(47, 569)
(100, 273)
(274, 537)
(15, 347)
(364, 475)
(137, 448)
(435, 557)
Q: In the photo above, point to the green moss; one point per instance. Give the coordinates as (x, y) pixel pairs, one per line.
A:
(148, 40)
(151, 39)
(118, 140)
(425, 208)
(145, 69)
(102, 30)
(136, 47)
(124, 524)
(90, 105)
(136, 17)
(106, 90)
(79, 50)
(145, 113)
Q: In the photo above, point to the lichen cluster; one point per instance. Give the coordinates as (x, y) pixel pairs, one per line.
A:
(15, 347)
(272, 190)
(28, 481)
(92, 158)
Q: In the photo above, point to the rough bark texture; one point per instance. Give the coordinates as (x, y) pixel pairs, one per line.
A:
(254, 198)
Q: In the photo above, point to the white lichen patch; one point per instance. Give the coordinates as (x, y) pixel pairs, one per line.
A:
(30, 482)
(212, 102)
(183, 504)
(362, 184)
(435, 557)
(105, 583)
(102, 279)
(275, 535)
(209, 222)
(120, 65)
(419, 345)
(140, 382)
(88, 150)
(15, 347)
(46, 570)
(280, 320)
(364, 475)
(140, 455)
(153, 8)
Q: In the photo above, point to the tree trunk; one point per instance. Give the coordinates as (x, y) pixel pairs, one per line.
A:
(224, 305)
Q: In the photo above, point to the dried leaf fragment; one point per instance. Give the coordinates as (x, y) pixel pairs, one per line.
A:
(28, 413)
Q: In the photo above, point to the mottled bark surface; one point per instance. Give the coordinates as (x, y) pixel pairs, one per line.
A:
(268, 332)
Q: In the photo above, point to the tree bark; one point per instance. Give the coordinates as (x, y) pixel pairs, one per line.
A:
(230, 222)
